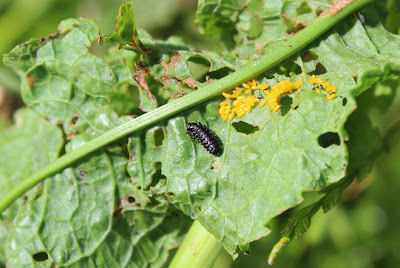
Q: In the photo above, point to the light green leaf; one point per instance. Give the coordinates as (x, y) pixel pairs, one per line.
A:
(76, 211)
(264, 173)
(31, 136)
(71, 88)
(217, 16)
(261, 173)
(125, 32)
(73, 211)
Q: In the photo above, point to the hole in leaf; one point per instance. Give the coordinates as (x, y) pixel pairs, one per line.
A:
(219, 73)
(40, 256)
(286, 103)
(125, 100)
(309, 56)
(355, 78)
(344, 101)
(304, 8)
(245, 128)
(198, 67)
(327, 139)
(289, 68)
(296, 107)
(158, 91)
(157, 176)
(318, 11)
(38, 74)
(289, 23)
(74, 119)
(131, 199)
(319, 69)
(159, 136)
(293, 26)
(269, 76)
(299, 27)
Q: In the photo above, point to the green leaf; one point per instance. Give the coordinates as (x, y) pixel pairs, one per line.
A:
(255, 23)
(368, 139)
(76, 211)
(273, 165)
(84, 83)
(393, 21)
(146, 153)
(71, 203)
(261, 173)
(31, 136)
(82, 200)
(125, 33)
(217, 16)
(264, 173)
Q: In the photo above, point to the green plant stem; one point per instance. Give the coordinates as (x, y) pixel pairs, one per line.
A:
(250, 70)
(198, 250)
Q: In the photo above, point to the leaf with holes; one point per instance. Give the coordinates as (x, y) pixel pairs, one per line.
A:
(269, 158)
(113, 203)
(84, 82)
(68, 212)
(82, 200)
(26, 147)
(73, 221)
(368, 139)
(126, 32)
(251, 25)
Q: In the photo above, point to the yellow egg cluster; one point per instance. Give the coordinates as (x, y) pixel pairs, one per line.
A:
(241, 104)
(321, 84)
(280, 89)
(225, 111)
(236, 93)
(244, 105)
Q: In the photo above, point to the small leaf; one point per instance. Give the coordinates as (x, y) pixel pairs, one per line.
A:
(125, 32)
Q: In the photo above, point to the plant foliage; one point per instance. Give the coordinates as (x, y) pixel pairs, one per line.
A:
(124, 205)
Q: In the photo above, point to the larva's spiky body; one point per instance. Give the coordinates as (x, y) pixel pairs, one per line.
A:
(201, 133)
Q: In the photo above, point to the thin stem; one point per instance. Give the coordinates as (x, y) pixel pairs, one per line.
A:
(250, 70)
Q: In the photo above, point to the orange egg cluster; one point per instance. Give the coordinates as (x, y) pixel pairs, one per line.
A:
(280, 89)
(321, 84)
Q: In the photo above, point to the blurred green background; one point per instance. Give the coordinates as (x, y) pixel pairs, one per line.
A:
(362, 231)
